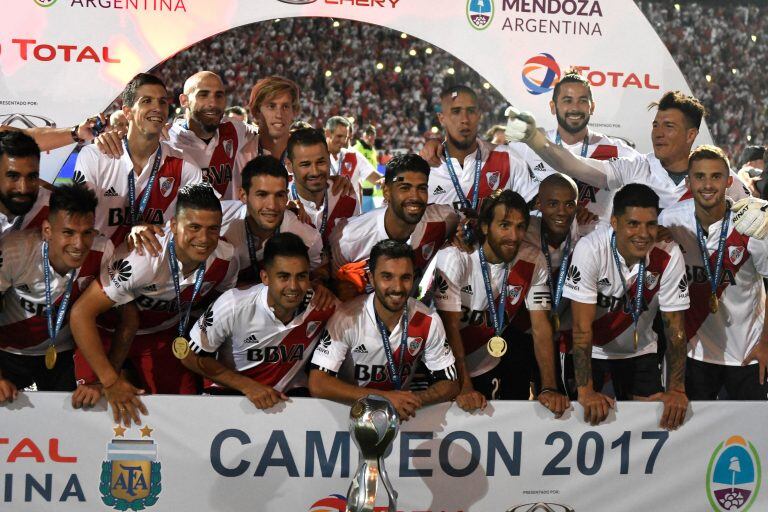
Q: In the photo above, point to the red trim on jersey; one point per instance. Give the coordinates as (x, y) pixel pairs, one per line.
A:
(37, 220)
(435, 234)
(605, 152)
(495, 172)
(216, 172)
(688, 195)
(25, 333)
(700, 292)
(343, 209)
(348, 164)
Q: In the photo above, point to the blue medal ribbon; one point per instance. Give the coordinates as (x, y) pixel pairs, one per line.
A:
(716, 277)
(455, 180)
(394, 370)
(496, 313)
(173, 263)
(637, 303)
(136, 213)
(584, 145)
(54, 328)
(557, 291)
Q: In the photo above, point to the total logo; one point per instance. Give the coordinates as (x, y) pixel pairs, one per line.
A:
(31, 49)
(542, 72)
(480, 13)
(733, 475)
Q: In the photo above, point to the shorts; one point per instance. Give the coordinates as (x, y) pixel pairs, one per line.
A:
(24, 371)
(703, 381)
(511, 378)
(634, 376)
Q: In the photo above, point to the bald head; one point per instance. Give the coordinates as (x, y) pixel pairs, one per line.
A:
(204, 100)
(557, 181)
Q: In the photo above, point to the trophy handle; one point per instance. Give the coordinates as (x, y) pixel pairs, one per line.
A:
(361, 496)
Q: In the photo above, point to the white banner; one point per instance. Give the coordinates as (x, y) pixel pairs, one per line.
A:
(220, 453)
(64, 60)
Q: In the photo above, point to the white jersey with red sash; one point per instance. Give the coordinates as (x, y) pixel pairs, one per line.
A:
(593, 278)
(148, 281)
(339, 207)
(351, 164)
(23, 324)
(725, 337)
(242, 328)
(33, 219)
(501, 168)
(108, 178)
(459, 287)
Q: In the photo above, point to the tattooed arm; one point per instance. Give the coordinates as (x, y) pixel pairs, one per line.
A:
(674, 398)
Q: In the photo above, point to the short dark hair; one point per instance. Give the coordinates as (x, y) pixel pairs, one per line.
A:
(511, 201)
(305, 137)
(129, 93)
(634, 195)
(752, 153)
(198, 196)
(284, 244)
(369, 130)
(455, 90)
(75, 199)
(571, 76)
(392, 249)
(236, 109)
(404, 163)
(692, 109)
(18, 145)
(708, 152)
(264, 165)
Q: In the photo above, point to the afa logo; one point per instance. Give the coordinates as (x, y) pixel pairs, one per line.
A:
(540, 73)
(480, 13)
(733, 475)
(130, 477)
(331, 503)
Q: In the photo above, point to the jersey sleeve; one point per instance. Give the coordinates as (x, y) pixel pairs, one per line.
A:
(521, 177)
(583, 273)
(673, 289)
(230, 279)
(7, 263)
(333, 346)
(121, 277)
(191, 174)
(315, 246)
(215, 326)
(87, 169)
(336, 241)
(758, 250)
(450, 268)
(437, 353)
(538, 298)
(620, 171)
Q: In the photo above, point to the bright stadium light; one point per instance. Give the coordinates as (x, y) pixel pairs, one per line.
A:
(336, 24)
(412, 53)
(677, 7)
(734, 71)
(328, 73)
(434, 129)
(277, 20)
(749, 138)
(379, 66)
(708, 78)
(398, 69)
(428, 51)
(486, 85)
(754, 38)
(451, 71)
(403, 36)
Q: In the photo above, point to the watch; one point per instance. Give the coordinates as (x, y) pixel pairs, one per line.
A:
(74, 135)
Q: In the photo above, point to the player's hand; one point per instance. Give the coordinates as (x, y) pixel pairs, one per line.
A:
(521, 126)
(750, 217)
(263, 397)
(759, 353)
(675, 408)
(554, 401)
(405, 402)
(85, 130)
(323, 298)
(596, 405)
(165, 133)
(663, 235)
(431, 152)
(124, 399)
(585, 217)
(86, 395)
(8, 391)
(110, 143)
(144, 236)
(341, 186)
(469, 399)
(297, 207)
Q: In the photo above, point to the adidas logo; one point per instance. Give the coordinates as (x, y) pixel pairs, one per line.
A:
(251, 339)
(539, 167)
(604, 283)
(439, 190)
(110, 193)
(360, 349)
(467, 289)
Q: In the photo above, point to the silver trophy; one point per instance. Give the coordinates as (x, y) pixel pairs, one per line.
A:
(373, 423)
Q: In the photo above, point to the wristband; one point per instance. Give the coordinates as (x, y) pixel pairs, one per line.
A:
(74, 135)
(548, 390)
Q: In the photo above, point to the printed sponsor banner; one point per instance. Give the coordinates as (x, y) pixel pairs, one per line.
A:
(64, 60)
(220, 453)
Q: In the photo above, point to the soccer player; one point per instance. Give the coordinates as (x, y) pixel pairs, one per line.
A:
(263, 335)
(725, 327)
(137, 192)
(41, 274)
(406, 218)
(346, 161)
(311, 187)
(23, 202)
(274, 103)
(471, 169)
(260, 214)
(618, 279)
(192, 269)
(572, 105)
(478, 293)
(383, 335)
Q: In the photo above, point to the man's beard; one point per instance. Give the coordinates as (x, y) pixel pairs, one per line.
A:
(461, 146)
(15, 207)
(562, 122)
(208, 127)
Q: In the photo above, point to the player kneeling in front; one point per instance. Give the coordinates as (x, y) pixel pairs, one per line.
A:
(383, 335)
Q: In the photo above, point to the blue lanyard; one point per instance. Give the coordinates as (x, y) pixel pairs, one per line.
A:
(584, 145)
(394, 370)
(174, 264)
(250, 240)
(496, 313)
(53, 329)
(638, 301)
(136, 213)
(714, 279)
(455, 180)
(557, 292)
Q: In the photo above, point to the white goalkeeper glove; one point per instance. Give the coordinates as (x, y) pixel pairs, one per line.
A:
(750, 217)
(520, 125)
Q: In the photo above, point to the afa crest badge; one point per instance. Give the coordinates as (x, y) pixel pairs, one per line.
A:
(130, 476)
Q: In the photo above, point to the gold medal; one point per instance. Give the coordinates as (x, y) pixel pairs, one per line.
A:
(50, 357)
(637, 340)
(497, 346)
(556, 322)
(180, 347)
(714, 303)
